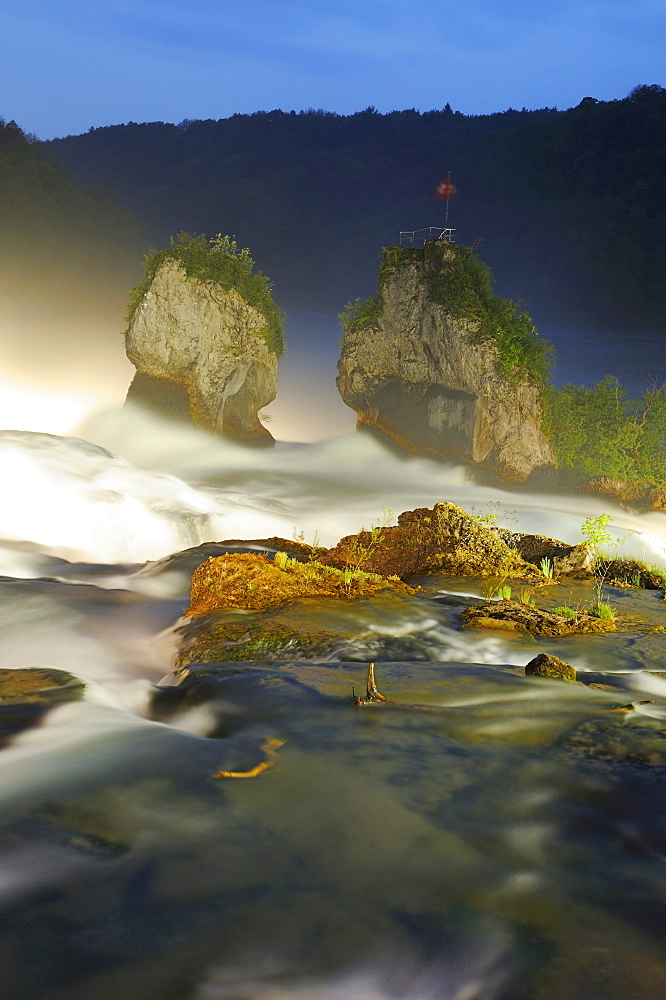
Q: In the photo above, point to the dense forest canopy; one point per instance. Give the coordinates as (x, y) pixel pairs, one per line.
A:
(51, 227)
(569, 207)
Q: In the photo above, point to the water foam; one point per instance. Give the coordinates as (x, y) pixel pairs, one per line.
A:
(185, 487)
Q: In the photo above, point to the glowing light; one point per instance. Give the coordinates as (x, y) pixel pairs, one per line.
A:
(656, 544)
(25, 409)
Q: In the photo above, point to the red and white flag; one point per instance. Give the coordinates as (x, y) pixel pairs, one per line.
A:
(446, 188)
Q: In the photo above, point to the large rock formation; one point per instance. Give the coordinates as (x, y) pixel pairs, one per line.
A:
(199, 352)
(417, 364)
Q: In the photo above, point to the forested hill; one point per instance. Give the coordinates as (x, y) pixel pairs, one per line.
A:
(54, 235)
(570, 207)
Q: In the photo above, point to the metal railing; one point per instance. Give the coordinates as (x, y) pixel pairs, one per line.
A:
(419, 237)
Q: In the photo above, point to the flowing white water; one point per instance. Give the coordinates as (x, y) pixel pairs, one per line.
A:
(385, 857)
(68, 499)
(183, 488)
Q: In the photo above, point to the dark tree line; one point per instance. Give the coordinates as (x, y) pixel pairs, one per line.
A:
(569, 207)
(52, 230)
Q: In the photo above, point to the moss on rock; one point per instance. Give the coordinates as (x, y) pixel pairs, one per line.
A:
(234, 642)
(27, 693)
(38, 686)
(443, 539)
(253, 582)
(534, 620)
(552, 667)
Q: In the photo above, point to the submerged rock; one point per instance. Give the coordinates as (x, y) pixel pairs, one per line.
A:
(552, 667)
(419, 367)
(27, 693)
(534, 621)
(608, 739)
(209, 640)
(200, 355)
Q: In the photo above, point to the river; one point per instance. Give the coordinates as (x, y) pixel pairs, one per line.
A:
(505, 844)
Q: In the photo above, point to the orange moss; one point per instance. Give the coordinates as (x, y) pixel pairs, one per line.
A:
(253, 582)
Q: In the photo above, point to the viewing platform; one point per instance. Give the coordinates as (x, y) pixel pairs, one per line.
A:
(417, 238)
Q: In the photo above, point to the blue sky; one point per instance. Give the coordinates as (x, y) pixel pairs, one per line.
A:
(67, 65)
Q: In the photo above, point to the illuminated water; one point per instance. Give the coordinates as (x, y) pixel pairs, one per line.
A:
(505, 844)
(508, 844)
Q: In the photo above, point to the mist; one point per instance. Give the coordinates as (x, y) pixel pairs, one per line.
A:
(464, 852)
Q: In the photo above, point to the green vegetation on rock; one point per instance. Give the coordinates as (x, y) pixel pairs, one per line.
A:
(462, 283)
(456, 279)
(360, 313)
(601, 432)
(528, 620)
(218, 259)
(253, 582)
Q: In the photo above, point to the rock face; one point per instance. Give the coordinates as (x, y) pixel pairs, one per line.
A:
(640, 494)
(443, 539)
(566, 560)
(413, 371)
(199, 353)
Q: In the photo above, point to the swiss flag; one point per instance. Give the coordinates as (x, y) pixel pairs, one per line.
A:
(446, 188)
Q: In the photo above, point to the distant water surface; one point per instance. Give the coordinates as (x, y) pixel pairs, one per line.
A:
(308, 405)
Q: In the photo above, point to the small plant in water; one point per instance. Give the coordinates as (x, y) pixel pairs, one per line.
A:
(361, 551)
(603, 611)
(314, 548)
(594, 530)
(564, 611)
(547, 567)
(527, 598)
(499, 589)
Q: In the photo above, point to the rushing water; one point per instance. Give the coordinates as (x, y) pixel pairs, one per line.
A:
(501, 839)
(505, 844)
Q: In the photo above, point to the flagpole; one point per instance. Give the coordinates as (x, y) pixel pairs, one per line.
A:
(446, 190)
